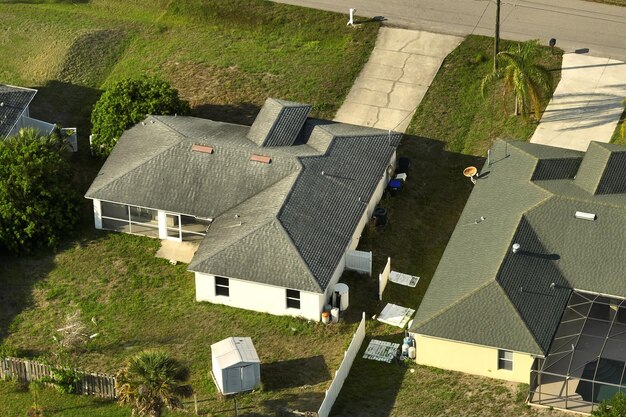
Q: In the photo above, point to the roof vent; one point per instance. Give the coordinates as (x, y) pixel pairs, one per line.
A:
(261, 158)
(516, 247)
(585, 216)
(202, 148)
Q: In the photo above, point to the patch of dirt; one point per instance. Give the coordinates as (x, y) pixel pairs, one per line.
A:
(223, 94)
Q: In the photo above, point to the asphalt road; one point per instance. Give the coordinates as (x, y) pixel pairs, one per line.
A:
(576, 24)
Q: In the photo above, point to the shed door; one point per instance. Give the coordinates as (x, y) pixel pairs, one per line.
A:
(248, 381)
(232, 380)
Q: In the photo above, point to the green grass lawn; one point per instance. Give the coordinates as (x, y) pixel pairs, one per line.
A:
(139, 302)
(16, 400)
(453, 110)
(617, 138)
(225, 56)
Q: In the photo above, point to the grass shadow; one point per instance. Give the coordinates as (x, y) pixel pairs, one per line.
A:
(303, 371)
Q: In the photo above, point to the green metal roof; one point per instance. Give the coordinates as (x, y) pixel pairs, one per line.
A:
(527, 194)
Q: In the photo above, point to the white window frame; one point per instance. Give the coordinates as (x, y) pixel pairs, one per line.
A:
(293, 299)
(503, 360)
(227, 286)
(128, 220)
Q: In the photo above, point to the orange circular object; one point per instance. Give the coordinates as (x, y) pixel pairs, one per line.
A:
(470, 171)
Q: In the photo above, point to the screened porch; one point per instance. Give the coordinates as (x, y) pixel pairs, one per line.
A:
(587, 358)
(152, 223)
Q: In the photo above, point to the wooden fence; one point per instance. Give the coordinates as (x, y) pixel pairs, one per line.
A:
(25, 371)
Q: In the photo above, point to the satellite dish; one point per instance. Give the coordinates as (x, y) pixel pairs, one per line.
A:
(390, 171)
(470, 171)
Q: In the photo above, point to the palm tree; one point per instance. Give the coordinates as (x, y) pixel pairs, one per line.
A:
(151, 381)
(531, 82)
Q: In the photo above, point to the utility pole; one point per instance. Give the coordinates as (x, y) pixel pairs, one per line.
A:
(496, 45)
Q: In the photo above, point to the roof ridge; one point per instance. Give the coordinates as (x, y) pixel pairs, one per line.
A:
(254, 229)
(518, 315)
(457, 302)
(25, 107)
(168, 148)
(20, 87)
(262, 224)
(294, 247)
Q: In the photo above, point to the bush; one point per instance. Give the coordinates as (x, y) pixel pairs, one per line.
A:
(64, 380)
(615, 407)
(126, 103)
(38, 203)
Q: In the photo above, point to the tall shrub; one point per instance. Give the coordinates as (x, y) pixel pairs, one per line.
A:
(126, 103)
(38, 203)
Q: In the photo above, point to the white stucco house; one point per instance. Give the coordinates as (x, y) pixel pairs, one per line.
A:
(15, 114)
(275, 206)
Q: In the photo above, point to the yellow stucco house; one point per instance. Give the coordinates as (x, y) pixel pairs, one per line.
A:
(531, 286)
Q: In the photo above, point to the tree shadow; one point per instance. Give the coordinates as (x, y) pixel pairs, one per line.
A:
(294, 373)
(64, 103)
(240, 113)
(17, 280)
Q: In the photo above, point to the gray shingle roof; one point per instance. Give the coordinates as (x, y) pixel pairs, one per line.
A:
(278, 123)
(602, 170)
(529, 196)
(13, 102)
(282, 223)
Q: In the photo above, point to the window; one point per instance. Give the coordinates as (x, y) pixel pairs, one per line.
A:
(293, 299)
(505, 359)
(221, 286)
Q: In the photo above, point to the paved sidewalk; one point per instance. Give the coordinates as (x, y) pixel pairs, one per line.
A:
(586, 105)
(396, 78)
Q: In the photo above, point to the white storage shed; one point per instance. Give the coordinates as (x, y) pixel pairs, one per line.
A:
(235, 365)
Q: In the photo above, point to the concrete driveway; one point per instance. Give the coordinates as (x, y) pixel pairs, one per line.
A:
(396, 78)
(586, 105)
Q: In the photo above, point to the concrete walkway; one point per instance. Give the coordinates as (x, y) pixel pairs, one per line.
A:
(177, 251)
(586, 105)
(396, 78)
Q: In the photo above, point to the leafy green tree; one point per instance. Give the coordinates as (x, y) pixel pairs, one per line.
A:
(531, 82)
(126, 103)
(152, 381)
(615, 407)
(38, 203)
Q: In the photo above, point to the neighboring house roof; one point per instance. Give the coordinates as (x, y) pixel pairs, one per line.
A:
(284, 223)
(13, 102)
(483, 293)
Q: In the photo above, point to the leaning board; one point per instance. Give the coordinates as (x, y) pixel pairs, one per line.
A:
(403, 279)
(396, 315)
